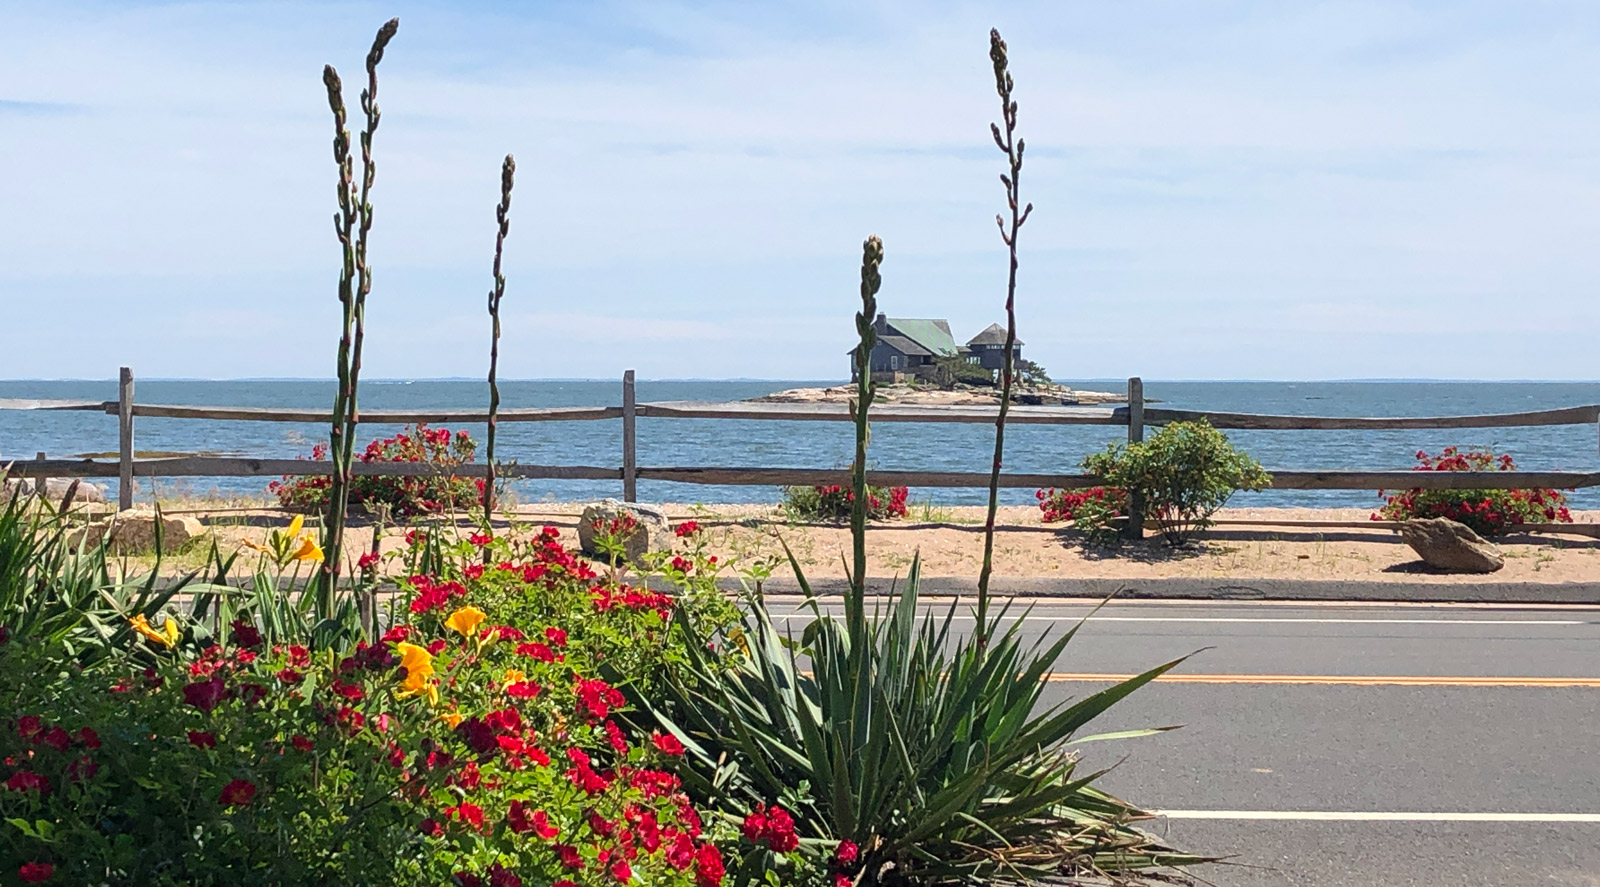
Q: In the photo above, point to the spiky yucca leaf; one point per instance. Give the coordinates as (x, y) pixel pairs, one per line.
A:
(928, 750)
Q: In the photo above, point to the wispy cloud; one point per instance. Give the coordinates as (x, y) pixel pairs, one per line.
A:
(18, 108)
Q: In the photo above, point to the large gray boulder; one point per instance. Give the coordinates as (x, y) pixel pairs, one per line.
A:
(651, 530)
(134, 531)
(1447, 545)
(54, 489)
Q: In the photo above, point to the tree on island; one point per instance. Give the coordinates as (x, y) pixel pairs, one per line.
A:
(953, 370)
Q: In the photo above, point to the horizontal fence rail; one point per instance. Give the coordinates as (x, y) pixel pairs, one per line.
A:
(213, 466)
(1135, 417)
(838, 412)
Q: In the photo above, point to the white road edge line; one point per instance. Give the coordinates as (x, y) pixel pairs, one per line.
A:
(1058, 619)
(1366, 816)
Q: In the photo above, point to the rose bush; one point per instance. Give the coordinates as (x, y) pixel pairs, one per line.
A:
(406, 496)
(1097, 511)
(478, 741)
(1487, 512)
(832, 502)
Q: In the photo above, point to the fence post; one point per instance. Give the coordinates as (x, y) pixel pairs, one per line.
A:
(1134, 528)
(39, 486)
(630, 463)
(125, 439)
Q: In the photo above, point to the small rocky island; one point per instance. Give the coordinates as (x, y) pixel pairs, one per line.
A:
(960, 395)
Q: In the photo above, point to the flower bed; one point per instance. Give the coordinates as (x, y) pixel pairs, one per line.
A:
(478, 742)
(832, 502)
(1487, 512)
(1100, 503)
(405, 496)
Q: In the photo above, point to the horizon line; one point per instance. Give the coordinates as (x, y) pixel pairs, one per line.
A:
(405, 380)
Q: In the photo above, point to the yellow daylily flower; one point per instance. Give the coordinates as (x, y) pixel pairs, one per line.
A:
(513, 676)
(143, 627)
(466, 620)
(453, 719)
(169, 629)
(308, 550)
(289, 544)
(417, 662)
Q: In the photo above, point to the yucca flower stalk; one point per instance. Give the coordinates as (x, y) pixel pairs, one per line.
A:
(352, 224)
(503, 215)
(1012, 145)
(866, 389)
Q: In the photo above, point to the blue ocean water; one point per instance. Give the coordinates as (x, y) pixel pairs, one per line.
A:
(705, 442)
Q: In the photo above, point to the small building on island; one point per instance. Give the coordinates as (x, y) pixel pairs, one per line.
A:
(988, 348)
(908, 348)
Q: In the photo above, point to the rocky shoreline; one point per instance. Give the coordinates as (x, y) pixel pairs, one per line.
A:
(961, 396)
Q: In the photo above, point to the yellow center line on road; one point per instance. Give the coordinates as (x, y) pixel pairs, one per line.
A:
(1347, 680)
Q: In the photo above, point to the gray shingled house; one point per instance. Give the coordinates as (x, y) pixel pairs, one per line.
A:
(907, 348)
(988, 348)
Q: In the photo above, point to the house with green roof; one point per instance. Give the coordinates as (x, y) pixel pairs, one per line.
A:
(907, 348)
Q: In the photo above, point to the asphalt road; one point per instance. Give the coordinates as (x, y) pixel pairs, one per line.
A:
(1354, 744)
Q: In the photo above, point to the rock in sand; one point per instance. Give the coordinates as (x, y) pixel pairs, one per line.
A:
(651, 531)
(1447, 545)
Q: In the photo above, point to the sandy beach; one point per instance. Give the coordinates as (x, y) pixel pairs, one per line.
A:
(950, 542)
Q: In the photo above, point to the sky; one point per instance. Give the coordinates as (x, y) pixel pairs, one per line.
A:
(1222, 190)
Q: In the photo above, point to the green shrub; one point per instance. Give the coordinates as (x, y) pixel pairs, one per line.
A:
(951, 370)
(1186, 472)
(832, 502)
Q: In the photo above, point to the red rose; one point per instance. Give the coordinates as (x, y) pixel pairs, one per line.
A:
(56, 738)
(667, 743)
(237, 793)
(846, 853)
(29, 726)
(202, 739)
(755, 825)
(24, 781)
(36, 872)
(779, 833)
(245, 634)
(708, 868)
(300, 742)
(205, 695)
(89, 738)
(499, 876)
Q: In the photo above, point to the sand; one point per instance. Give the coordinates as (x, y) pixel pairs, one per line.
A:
(950, 541)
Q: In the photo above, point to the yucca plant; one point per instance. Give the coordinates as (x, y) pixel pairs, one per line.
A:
(925, 750)
(502, 214)
(353, 225)
(58, 592)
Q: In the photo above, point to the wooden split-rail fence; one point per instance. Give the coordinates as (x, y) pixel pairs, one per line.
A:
(1135, 416)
